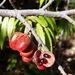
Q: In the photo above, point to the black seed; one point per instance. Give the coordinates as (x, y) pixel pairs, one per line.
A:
(46, 56)
(42, 60)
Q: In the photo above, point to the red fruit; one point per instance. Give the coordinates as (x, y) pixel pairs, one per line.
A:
(23, 42)
(44, 58)
(29, 51)
(14, 38)
(41, 67)
(25, 59)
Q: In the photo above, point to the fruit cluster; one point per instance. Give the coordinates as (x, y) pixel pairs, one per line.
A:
(22, 43)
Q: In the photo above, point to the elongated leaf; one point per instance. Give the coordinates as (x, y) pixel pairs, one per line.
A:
(40, 32)
(42, 18)
(3, 31)
(41, 2)
(38, 20)
(0, 31)
(48, 40)
(26, 29)
(51, 26)
(57, 4)
(11, 26)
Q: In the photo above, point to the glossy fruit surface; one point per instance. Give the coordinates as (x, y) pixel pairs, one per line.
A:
(23, 43)
(25, 59)
(14, 38)
(29, 50)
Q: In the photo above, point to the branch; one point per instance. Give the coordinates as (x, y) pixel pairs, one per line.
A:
(61, 14)
(12, 4)
(69, 19)
(61, 70)
(48, 4)
(2, 2)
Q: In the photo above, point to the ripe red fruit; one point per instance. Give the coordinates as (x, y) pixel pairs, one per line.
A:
(23, 42)
(14, 38)
(29, 51)
(26, 59)
(43, 58)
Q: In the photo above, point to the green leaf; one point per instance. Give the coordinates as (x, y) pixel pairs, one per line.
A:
(3, 31)
(48, 39)
(26, 29)
(40, 32)
(11, 26)
(51, 25)
(44, 22)
(40, 21)
(57, 4)
(41, 2)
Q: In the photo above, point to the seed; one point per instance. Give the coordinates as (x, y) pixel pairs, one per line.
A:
(43, 61)
(46, 56)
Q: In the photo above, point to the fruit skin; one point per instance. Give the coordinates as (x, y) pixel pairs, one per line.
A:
(23, 43)
(14, 38)
(29, 51)
(41, 67)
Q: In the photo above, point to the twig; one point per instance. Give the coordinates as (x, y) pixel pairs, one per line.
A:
(12, 4)
(2, 2)
(61, 70)
(61, 14)
(69, 19)
(48, 4)
(60, 43)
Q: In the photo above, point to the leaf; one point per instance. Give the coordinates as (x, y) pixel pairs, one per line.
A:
(40, 32)
(41, 2)
(3, 31)
(38, 20)
(26, 29)
(51, 26)
(57, 4)
(48, 39)
(11, 26)
(44, 22)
